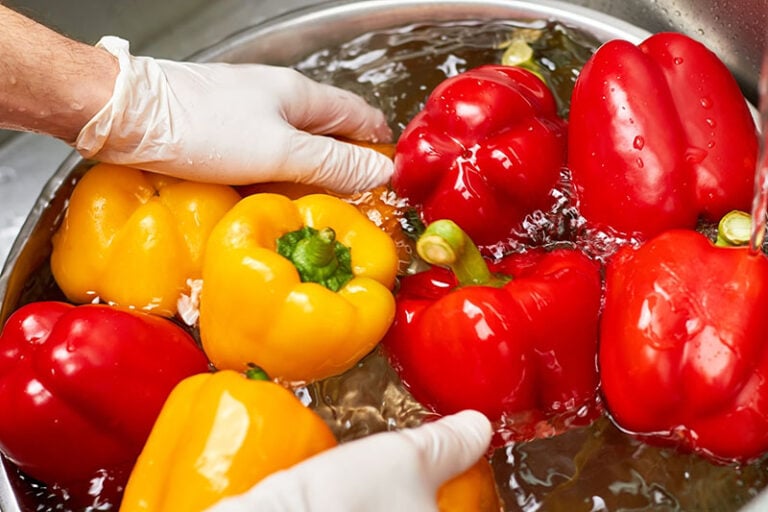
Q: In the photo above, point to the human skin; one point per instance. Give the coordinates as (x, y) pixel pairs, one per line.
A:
(50, 84)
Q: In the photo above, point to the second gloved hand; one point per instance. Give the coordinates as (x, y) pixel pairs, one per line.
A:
(391, 471)
(234, 124)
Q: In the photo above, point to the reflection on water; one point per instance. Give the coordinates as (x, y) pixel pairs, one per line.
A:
(397, 69)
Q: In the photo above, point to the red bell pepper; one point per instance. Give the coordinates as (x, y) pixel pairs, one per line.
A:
(660, 134)
(484, 152)
(519, 336)
(81, 387)
(683, 353)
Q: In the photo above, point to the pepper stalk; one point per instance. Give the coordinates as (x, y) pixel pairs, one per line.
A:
(734, 229)
(445, 244)
(318, 256)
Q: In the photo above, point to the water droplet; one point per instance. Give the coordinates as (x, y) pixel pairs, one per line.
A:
(678, 60)
(710, 122)
(695, 155)
(7, 174)
(705, 102)
(640, 163)
(77, 107)
(639, 142)
(710, 144)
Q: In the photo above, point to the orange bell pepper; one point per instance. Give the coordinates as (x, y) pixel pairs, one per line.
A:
(474, 489)
(267, 298)
(218, 435)
(133, 238)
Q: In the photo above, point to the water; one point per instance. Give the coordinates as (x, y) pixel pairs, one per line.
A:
(760, 202)
(594, 467)
(418, 57)
(587, 468)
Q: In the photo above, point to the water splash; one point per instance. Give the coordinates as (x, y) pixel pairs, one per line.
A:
(760, 201)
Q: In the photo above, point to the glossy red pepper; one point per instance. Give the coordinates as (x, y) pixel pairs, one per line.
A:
(521, 339)
(81, 386)
(484, 152)
(683, 354)
(659, 134)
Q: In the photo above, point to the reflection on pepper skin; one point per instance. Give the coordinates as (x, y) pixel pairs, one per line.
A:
(528, 345)
(682, 345)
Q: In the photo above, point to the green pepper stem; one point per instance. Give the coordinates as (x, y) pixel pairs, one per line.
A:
(255, 373)
(317, 250)
(444, 243)
(734, 229)
(318, 256)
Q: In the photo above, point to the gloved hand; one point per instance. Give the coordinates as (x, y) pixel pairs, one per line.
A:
(234, 124)
(391, 471)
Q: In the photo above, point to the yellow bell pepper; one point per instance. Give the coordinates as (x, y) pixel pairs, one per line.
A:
(133, 238)
(217, 435)
(263, 301)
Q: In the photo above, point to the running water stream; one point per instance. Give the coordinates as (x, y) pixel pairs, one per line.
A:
(760, 201)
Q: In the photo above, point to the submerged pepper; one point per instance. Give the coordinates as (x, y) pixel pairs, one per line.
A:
(83, 386)
(518, 336)
(133, 238)
(301, 288)
(683, 358)
(218, 435)
(484, 152)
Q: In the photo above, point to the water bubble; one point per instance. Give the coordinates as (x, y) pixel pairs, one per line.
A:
(695, 155)
(639, 142)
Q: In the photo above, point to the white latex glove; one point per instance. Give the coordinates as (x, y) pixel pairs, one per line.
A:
(393, 471)
(234, 124)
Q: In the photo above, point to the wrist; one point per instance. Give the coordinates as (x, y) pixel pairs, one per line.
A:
(84, 92)
(52, 85)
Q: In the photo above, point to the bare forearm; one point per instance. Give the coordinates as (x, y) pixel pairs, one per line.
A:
(48, 83)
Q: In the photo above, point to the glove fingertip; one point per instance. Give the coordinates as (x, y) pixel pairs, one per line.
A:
(373, 169)
(348, 168)
(452, 444)
(474, 428)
